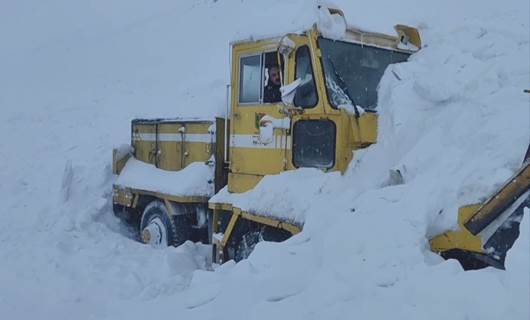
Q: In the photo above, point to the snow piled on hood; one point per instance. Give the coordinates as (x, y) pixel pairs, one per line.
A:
(74, 74)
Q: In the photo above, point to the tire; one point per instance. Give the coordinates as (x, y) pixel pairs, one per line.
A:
(249, 239)
(159, 229)
(246, 244)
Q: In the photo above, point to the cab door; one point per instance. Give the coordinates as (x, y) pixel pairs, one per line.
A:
(252, 155)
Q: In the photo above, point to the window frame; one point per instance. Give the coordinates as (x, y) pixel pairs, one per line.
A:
(312, 72)
(357, 44)
(334, 143)
(240, 84)
(261, 54)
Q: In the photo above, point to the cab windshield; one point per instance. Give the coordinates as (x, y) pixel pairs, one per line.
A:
(353, 72)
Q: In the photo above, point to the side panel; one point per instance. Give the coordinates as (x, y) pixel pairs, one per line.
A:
(242, 182)
(199, 142)
(172, 145)
(170, 155)
(144, 141)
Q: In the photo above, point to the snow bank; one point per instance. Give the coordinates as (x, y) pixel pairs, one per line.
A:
(194, 180)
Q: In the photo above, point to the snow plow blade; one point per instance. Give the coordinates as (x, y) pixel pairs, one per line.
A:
(500, 201)
(487, 231)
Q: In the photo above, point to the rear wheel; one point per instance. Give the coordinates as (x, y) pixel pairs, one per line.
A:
(159, 229)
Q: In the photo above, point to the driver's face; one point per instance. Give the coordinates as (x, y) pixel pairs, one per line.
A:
(274, 75)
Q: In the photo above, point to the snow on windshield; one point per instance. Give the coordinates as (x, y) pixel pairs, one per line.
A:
(353, 72)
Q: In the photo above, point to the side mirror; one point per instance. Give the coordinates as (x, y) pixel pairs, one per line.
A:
(266, 132)
(288, 92)
(267, 124)
(286, 46)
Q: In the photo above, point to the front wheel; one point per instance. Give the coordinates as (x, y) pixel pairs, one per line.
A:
(159, 229)
(250, 238)
(247, 244)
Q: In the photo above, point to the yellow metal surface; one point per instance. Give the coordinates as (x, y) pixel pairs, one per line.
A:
(118, 163)
(170, 153)
(220, 206)
(145, 150)
(199, 151)
(363, 130)
(172, 145)
(473, 218)
(244, 118)
(244, 161)
(518, 184)
(409, 33)
(229, 229)
(239, 182)
(460, 239)
(215, 220)
(122, 197)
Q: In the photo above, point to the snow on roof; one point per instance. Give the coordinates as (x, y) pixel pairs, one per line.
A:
(328, 18)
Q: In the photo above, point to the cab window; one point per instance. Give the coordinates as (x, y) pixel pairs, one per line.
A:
(352, 72)
(306, 93)
(249, 79)
(260, 78)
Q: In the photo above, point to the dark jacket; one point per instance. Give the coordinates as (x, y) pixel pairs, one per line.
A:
(272, 93)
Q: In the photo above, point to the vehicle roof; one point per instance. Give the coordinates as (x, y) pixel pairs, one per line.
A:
(352, 34)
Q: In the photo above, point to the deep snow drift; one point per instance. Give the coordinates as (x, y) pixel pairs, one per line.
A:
(73, 74)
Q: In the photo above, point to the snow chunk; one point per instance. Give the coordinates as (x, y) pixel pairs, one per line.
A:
(331, 25)
(407, 46)
(194, 180)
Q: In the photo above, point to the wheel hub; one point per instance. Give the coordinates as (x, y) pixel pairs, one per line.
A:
(155, 233)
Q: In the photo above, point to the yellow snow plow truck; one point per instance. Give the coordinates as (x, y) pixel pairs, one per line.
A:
(296, 100)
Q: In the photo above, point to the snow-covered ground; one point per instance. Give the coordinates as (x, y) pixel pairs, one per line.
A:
(73, 74)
